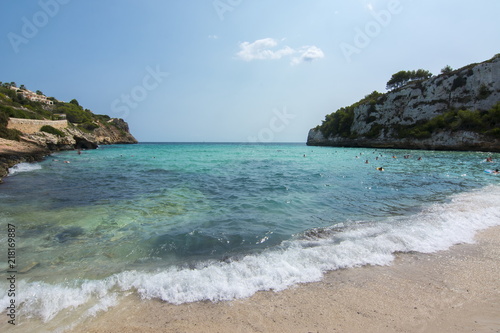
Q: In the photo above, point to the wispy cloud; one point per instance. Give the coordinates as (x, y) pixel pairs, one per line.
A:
(262, 49)
(268, 49)
(308, 54)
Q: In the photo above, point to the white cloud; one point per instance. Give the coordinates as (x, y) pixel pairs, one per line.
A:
(267, 49)
(213, 37)
(262, 49)
(308, 54)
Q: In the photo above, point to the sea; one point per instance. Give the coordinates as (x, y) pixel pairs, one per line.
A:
(189, 222)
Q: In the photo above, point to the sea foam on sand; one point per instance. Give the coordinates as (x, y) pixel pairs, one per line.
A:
(304, 259)
(24, 167)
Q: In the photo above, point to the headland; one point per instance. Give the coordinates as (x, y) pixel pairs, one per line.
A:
(33, 126)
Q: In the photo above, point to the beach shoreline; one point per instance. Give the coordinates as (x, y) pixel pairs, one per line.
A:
(15, 152)
(456, 290)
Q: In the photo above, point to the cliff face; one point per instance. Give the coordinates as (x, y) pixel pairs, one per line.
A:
(33, 125)
(113, 131)
(35, 144)
(376, 124)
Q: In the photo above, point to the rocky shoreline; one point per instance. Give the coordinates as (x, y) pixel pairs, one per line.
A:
(14, 152)
(445, 140)
(34, 147)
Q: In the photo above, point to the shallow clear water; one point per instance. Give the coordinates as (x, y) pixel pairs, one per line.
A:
(189, 222)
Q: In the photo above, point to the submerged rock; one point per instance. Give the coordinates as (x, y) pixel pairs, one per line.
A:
(29, 267)
(69, 234)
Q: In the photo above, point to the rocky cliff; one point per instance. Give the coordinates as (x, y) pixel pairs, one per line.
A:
(113, 131)
(424, 114)
(33, 125)
(35, 145)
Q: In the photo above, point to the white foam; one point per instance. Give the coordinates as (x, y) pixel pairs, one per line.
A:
(24, 167)
(303, 260)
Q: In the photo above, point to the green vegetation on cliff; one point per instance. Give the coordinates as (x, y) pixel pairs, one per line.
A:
(484, 122)
(52, 130)
(419, 105)
(340, 122)
(14, 104)
(401, 78)
(5, 132)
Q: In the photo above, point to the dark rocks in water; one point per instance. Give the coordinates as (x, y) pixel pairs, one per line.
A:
(82, 143)
(322, 233)
(69, 234)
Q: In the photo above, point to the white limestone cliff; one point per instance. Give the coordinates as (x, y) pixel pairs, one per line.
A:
(474, 87)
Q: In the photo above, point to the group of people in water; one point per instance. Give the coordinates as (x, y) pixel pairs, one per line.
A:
(393, 156)
(489, 159)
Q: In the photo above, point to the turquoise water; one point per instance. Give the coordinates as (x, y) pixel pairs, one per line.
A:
(191, 222)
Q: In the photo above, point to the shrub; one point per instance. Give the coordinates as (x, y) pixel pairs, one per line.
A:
(4, 118)
(9, 134)
(102, 117)
(88, 127)
(485, 122)
(52, 130)
(401, 78)
(459, 82)
(77, 116)
(483, 92)
(74, 113)
(338, 123)
(447, 69)
(494, 132)
(374, 131)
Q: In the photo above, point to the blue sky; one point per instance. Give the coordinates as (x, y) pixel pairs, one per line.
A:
(233, 70)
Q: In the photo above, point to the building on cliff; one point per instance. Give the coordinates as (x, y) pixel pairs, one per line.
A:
(32, 96)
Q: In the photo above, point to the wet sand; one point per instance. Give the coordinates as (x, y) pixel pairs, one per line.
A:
(451, 291)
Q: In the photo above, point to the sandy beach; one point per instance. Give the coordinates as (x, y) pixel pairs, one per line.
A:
(451, 291)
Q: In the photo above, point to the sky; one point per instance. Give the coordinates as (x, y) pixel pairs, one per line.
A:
(233, 70)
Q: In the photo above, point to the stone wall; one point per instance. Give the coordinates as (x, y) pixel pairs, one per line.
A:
(30, 126)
